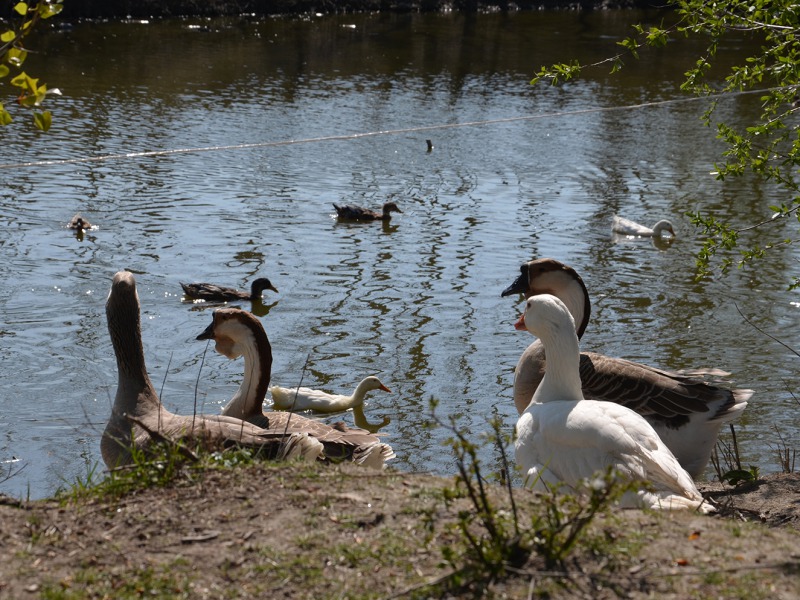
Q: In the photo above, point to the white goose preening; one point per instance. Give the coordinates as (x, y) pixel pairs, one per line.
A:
(304, 398)
(686, 412)
(139, 420)
(561, 438)
(623, 226)
(239, 333)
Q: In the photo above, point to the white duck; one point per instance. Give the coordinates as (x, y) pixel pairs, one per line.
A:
(623, 226)
(304, 398)
(239, 333)
(561, 438)
(139, 420)
(686, 412)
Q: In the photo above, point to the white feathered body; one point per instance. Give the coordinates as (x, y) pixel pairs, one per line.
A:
(304, 398)
(308, 399)
(565, 439)
(623, 226)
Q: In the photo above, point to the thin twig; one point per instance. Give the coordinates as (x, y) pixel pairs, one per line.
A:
(197, 381)
(297, 390)
(772, 337)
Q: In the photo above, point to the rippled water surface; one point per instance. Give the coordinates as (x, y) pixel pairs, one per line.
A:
(288, 116)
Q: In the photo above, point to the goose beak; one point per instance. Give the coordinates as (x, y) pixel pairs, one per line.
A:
(384, 388)
(520, 286)
(208, 333)
(520, 324)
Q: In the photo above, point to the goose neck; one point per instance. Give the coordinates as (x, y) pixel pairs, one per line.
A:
(248, 399)
(135, 392)
(562, 380)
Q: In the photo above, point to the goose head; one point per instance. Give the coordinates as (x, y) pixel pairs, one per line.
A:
(235, 331)
(661, 227)
(546, 316)
(239, 333)
(549, 319)
(549, 276)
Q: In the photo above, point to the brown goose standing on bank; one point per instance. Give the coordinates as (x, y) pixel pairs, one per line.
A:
(686, 412)
(216, 293)
(350, 212)
(239, 333)
(139, 420)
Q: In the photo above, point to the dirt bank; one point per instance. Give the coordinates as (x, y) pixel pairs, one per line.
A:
(267, 531)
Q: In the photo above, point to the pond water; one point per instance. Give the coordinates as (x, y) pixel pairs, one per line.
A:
(213, 151)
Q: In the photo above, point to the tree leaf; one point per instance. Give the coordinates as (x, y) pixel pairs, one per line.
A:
(42, 120)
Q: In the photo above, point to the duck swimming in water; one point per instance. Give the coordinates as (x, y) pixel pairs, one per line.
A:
(216, 293)
(349, 212)
(309, 399)
(78, 223)
(626, 227)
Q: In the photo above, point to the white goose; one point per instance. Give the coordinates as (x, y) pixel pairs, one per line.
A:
(239, 333)
(623, 226)
(139, 420)
(304, 398)
(563, 439)
(686, 412)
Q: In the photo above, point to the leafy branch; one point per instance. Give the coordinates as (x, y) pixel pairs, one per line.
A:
(499, 542)
(24, 18)
(768, 148)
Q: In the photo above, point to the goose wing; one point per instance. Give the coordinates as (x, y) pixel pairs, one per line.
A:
(340, 441)
(663, 395)
(575, 440)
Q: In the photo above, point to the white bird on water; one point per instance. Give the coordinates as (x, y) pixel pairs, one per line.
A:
(623, 226)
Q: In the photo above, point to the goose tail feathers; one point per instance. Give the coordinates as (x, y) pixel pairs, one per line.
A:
(670, 501)
(303, 447)
(373, 455)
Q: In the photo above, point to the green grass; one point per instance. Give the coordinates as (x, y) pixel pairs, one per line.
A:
(149, 582)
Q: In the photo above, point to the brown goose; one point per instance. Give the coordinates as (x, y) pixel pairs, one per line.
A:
(350, 212)
(239, 333)
(139, 420)
(217, 293)
(687, 412)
